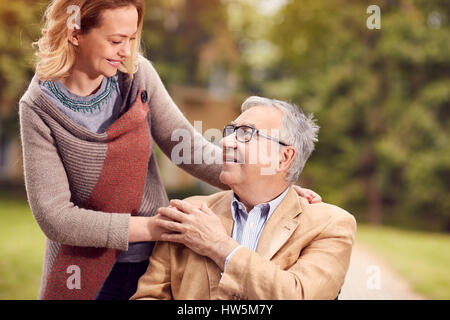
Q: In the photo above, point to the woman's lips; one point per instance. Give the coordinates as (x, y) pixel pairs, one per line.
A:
(114, 63)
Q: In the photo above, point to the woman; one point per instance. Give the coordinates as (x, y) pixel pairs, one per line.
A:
(88, 122)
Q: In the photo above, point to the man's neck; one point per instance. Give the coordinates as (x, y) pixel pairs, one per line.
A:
(82, 83)
(251, 198)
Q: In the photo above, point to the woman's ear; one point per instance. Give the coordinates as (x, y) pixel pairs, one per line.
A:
(287, 155)
(74, 37)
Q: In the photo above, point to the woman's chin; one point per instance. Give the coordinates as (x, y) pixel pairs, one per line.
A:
(109, 73)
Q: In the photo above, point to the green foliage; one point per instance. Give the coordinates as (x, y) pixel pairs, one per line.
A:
(22, 247)
(175, 33)
(19, 25)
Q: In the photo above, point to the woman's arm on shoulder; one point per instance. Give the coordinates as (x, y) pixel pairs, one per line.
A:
(170, 129)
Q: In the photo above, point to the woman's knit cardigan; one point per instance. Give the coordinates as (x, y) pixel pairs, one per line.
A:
(63, 160)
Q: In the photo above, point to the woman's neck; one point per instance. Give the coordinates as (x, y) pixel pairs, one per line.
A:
(82, 84)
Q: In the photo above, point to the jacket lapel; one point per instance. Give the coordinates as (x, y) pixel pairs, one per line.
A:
(280, 226)
(277, 231)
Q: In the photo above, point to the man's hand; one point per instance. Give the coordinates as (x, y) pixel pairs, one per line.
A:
(198, 228)
(310, 195)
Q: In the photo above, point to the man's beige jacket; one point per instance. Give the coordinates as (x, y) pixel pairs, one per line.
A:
(303, 253)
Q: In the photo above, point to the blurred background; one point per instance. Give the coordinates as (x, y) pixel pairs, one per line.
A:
(381, 97)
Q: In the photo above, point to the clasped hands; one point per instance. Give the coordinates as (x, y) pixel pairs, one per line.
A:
(198, 228)
(201, 230)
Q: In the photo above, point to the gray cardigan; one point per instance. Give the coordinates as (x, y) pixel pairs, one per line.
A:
(62, 161)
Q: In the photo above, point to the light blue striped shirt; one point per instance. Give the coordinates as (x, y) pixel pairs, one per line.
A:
(248, 227)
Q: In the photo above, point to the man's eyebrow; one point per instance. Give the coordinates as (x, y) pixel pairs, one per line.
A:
(244, 124)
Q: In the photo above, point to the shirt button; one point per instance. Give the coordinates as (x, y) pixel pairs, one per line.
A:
(144, 96)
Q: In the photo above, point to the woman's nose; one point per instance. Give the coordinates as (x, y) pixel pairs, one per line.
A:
(125, 51)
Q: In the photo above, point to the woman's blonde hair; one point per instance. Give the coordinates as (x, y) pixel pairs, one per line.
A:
(56, 55)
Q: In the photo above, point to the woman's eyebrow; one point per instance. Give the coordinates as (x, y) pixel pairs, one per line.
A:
(122, 35)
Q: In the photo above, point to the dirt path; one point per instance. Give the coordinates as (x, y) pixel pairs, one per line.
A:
(370, 278)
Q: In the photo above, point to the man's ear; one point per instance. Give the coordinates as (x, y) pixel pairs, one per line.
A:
(287, 155)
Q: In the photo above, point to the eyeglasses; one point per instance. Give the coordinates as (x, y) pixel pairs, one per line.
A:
(245, 133)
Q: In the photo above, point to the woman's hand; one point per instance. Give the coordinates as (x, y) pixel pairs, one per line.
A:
(310, 195)
(146, 229)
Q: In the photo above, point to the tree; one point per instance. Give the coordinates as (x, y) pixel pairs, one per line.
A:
(19, 28)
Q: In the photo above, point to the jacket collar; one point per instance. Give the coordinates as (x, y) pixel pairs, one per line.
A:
(280, 225)
(278, 229)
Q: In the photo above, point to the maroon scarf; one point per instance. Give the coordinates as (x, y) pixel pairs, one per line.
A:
(119, 189)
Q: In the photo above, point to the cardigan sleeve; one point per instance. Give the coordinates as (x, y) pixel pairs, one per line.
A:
(49, 196)
(171, 128)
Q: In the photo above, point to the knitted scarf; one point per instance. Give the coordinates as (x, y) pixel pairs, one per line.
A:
(119, 189)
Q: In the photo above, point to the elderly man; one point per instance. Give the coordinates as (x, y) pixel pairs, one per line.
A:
(259, 240)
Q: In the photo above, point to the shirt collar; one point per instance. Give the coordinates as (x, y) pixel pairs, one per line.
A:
(268, 207)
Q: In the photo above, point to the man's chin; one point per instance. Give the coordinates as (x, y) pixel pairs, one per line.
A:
(226, 177)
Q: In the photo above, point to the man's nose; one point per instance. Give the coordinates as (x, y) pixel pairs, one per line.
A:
(229, 141)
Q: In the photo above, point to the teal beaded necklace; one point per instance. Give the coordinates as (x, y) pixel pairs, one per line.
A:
(83, 106)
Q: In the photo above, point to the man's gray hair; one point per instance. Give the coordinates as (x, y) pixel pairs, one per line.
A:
(299, 130)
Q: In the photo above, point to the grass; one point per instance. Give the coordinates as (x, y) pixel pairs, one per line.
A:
(422, 258)
(22, 250)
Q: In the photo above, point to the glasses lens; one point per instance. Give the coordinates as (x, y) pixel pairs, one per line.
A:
(227, 130)
(244, 134)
